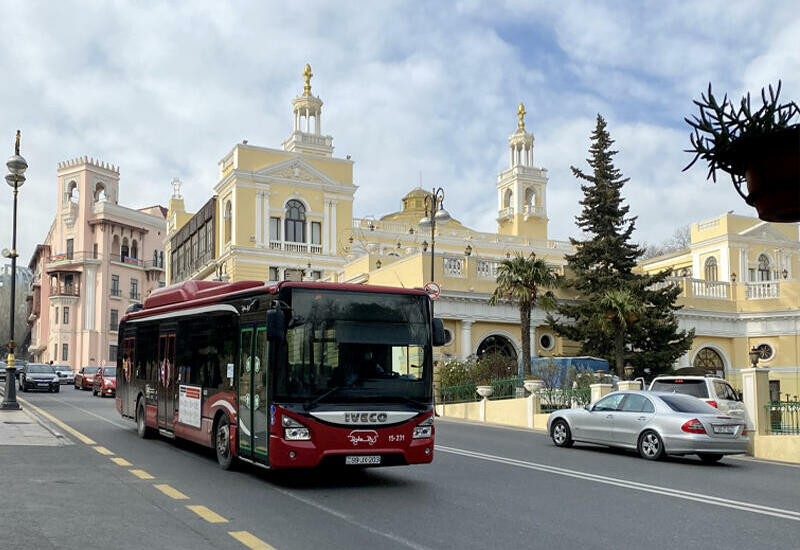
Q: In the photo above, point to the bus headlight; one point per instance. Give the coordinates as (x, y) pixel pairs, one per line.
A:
(294, 430)
(424, 429)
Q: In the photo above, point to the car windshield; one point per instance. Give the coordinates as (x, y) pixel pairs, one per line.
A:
(697, 388)
(355, 346)
(110, 371)
(42, 369)
(91, 370)
(687, 404)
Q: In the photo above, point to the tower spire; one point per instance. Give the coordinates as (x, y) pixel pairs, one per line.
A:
(307, 74)
(521, 114)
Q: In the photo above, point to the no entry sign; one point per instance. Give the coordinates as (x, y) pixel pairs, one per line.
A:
(433, 289)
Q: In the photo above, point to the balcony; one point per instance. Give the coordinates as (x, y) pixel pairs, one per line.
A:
(73, 290)
(113, 327)
(135, 295)
(453, 267)
(531, 210)
(152, 265)
(505, 213)
(487, 269)
(297, 248)
(127, 260)
(63, 260)
(715, 290)
(116, 293)
(763, 290)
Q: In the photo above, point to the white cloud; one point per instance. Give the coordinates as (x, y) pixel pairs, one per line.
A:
(166, 89)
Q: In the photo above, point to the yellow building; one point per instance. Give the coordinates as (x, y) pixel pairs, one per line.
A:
(288, 214)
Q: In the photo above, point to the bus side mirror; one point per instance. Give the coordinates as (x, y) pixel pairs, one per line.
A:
(276, 325)
(439, 337)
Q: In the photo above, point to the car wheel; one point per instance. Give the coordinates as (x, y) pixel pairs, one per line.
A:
(710, 458)
(141, 426)
(651, 446)
(222, 443)
(560, 432)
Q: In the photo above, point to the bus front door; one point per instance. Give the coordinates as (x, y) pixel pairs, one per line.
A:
(166, 380)
(253, 393)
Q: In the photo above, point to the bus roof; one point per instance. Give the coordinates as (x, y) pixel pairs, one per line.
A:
(196, 293)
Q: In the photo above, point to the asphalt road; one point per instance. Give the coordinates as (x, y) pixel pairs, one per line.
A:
(488, 487)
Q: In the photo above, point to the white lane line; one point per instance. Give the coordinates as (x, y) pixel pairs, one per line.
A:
(627, 484)
(90, 413)
(344, 517)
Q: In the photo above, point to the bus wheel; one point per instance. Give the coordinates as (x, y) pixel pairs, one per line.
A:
(141, 426)
(222, 443)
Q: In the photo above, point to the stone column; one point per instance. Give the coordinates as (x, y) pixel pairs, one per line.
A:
(755, 390)
(333, 227)
(623, 385)
(599, 391)
(259, 218)
(326, 220)
(89, 289)
(466, 338)
(534, 407)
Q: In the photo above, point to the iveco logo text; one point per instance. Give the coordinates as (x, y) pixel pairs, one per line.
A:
(365, 418)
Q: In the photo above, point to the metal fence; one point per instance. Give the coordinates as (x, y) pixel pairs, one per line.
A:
(456, 394)
(784, 417)
(551, 399)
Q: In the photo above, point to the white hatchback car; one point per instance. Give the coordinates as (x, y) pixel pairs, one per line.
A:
(714, 391)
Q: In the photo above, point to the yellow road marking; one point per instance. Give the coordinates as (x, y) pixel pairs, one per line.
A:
(119, 461)
(57, 422)
(251, 541)
(103, 451)
(171, 492)
(141, 474)
(208, 515)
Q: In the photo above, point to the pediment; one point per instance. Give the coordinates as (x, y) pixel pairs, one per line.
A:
(765, 231)
(297, 170)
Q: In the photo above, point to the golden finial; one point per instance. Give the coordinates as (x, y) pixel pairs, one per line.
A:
(307, 74)
(16, 144)
(521, 115)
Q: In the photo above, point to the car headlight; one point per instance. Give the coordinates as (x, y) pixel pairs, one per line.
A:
(424, 429)
(55, 379)
(294, 430)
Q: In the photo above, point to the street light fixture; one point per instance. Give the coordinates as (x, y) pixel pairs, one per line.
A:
(434, 213)
(15, 178)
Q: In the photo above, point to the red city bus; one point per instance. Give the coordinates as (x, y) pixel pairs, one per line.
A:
(283, 374)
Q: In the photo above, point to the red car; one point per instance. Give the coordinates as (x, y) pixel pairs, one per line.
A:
(84, 378)
(105, 382)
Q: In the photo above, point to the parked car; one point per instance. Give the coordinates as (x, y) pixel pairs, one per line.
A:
(653, 423)
(105, 382)
(84, 378)
(39, 377)
(714, 391)
(65, 374)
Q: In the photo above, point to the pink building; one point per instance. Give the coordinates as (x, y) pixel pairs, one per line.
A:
(98, 258)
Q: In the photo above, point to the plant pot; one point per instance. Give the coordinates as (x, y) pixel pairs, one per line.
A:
(532, 386)
(485, 391)
(772, 171)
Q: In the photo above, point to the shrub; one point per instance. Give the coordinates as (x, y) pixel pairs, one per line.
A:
(457, 373)
(494, 366)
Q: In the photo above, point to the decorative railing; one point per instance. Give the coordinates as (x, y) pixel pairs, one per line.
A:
(784, 417)
(531, 210)
(302, 248)
(487, 269)
(113, 327)
(711, 224)
(506, 212)
(127, 260)
(116, 292)
(453, 267)
(135, 295)
(716, 290)
(763, 290)
(65, 290)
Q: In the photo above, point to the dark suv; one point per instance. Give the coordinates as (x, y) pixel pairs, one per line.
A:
(39, 377)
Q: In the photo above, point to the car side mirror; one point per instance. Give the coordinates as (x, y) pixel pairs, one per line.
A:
(276, 325)
(439, 336)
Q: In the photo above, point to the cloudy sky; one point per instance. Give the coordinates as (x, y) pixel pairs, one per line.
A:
(165, 89)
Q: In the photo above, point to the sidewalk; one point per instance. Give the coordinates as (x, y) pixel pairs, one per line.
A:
(25, 428)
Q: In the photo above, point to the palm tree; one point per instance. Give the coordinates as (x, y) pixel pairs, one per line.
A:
(518, 281)
(622, 310)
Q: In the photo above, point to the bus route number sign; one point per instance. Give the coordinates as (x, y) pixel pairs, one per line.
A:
(433, 289)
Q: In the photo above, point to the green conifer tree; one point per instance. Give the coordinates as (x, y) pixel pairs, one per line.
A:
(601, 273)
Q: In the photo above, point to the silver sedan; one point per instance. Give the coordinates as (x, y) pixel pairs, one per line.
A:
(654, 424)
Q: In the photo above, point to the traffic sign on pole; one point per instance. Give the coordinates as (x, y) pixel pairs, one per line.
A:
(433, 289)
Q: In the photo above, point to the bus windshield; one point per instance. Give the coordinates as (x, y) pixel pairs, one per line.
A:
(355, 347)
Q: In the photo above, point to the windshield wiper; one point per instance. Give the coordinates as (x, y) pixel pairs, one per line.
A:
(314, 402)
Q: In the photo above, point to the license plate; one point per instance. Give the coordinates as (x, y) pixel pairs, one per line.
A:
(725, 429)
(42, 384)
(362, 459)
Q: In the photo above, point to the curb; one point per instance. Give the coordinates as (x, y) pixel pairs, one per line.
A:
(39, 420)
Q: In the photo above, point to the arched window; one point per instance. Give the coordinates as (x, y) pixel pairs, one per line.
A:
(123, 251)
(507, 197)
(155, 258)
(134, 249)
(74, 192)
(497, 344)
(295, 229)
(227, 221)
(100, 192)
(711, 269)
(115, 244)
(709, 360)
(161, 259)
(530, 197)
(763, 268)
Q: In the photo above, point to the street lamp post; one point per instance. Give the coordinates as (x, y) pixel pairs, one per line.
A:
(15, 178)
(434, 213)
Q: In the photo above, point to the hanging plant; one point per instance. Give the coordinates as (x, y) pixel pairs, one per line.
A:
(761, 148)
